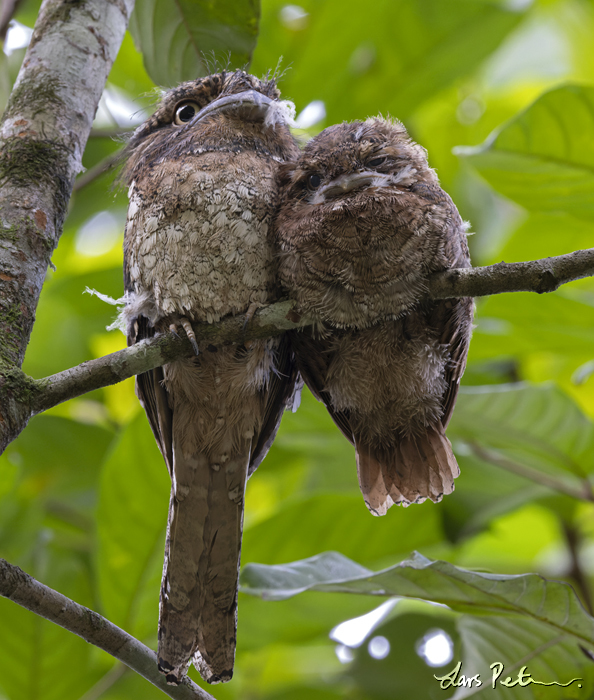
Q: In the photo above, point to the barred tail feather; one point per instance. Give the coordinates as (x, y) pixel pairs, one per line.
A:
(198, 604)
(417, 468)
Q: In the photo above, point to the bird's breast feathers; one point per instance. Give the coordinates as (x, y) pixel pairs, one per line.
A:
(203, 250)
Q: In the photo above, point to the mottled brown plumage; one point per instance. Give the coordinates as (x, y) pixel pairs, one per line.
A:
(362, 225)
(202, 188)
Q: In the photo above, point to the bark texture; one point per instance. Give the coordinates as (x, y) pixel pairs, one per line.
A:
(24, 590)
(538, 276)
(43, 134)
(24, 397)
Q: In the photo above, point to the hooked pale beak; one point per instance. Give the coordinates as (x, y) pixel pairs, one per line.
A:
(350, 182)
(250, 105)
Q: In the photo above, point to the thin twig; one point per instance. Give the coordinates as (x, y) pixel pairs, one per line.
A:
(113, 133)
(551, 482)
(105, 682)
(24, 590)
(572, 538)
(97, 170)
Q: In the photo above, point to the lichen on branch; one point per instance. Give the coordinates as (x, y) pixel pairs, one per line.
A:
(43, 133)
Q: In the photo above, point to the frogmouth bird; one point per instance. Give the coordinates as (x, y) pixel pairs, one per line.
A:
(202, 192)
(363, 224)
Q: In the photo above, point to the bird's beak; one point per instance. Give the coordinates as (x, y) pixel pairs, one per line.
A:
(354, 181)
(347, 183)
(249, 105)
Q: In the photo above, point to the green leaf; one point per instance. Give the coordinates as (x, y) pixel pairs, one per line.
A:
(297, 620)
(535, 425)
(388, 58)
(131, 520)
(177, 38)
(516, 643)
(60, 456)
(341, 522)
(551, 323)
(544, 158)
(403, 673)
(483, 494)
(523, 597)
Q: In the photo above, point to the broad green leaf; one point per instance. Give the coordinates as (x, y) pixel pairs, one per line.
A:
(483, 493)
(402, 673)
(309, 455)
(68, 319)
(131, 685)
(60, 456)
(128, 73)
(279, 668)
(52, 470)
(521, 598)
(532, 323)
(341, 522)
(548, 659)
(539, 237)
(131, 520)
(297, 620)
(178, 39)
(388, 58)
(533, 425)
(544, 158)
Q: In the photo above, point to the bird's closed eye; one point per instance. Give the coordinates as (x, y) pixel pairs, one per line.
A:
(185, 112)
(376, 162)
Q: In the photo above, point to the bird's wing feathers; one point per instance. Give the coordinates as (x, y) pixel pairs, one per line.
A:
(284, 389)
(313, 360)
(153, 395)
(454, 318)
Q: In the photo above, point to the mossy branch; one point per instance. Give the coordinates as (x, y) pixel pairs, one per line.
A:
(43, 133)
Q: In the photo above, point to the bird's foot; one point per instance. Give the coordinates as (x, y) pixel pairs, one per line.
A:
(187, 326)
(249, 314)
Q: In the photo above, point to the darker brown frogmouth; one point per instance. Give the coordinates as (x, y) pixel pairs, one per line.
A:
(363, 224)
(202, 188)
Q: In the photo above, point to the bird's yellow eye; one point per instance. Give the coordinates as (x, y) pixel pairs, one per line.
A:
(314, 181)
(185, 112)
(376, 162)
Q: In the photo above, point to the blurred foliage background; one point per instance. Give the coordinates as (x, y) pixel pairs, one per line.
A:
(500, 93)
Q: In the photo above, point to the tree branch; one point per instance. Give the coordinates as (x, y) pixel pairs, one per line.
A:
(42, 137)
(31, 396)
(24, 590)
(97, 170)
(539, 276)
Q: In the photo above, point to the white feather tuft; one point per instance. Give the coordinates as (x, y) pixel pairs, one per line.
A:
(281, 112)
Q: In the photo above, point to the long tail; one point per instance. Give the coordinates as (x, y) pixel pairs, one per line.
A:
(198, 605)
(417, 468)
